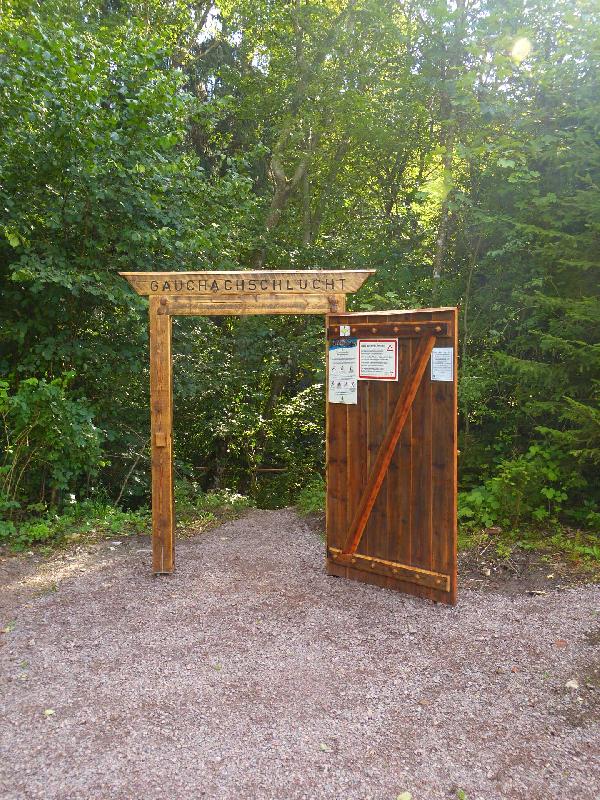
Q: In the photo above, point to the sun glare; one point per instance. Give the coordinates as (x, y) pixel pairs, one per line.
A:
(521, 49)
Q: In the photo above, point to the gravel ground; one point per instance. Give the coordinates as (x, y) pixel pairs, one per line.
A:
(251, 674)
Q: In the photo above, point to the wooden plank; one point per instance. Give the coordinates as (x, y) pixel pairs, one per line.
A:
(337, 463)
(422, 520)
(410, 314)
(369, 454)
(268, 303)
(443, 468)
(386, 450)
(393, 569)
(435, 503)
(337, 304)
(374, 537)
(336, 468)
(161, 405)
(213, 284)
(372, 578)
(336, 474)
(395, 329)
(400, 479)
(357, 448)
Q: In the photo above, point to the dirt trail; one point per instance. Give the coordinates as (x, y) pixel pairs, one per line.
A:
(251, 674)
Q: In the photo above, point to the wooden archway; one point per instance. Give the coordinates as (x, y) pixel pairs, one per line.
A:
(215, 294)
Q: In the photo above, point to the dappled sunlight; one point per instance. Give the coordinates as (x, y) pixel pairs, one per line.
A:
(48, 575)
(521, 49)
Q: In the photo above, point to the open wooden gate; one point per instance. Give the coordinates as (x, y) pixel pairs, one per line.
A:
(391, 455)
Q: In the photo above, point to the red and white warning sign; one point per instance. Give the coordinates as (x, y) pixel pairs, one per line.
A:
(378, 359)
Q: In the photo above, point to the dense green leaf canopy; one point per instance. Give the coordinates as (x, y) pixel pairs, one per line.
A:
(452, 146)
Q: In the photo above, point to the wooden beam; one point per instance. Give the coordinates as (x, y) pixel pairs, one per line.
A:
(213, 284)
(405, 572)
(388, 445)
(161, 405)
(271, 303)
(396, 329)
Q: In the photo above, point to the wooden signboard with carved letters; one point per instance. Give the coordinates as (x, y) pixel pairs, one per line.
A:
(391, 427)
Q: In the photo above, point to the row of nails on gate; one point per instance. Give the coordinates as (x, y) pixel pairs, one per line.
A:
(395, 329)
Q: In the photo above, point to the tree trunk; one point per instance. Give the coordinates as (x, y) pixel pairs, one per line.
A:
(284, 187)
(448, 126)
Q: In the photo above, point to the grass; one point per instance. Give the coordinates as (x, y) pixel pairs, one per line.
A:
(196, 511)
(581, 548)
(86, 520)
(311, 498)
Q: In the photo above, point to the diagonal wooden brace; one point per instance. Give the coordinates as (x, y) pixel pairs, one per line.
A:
(388, 445)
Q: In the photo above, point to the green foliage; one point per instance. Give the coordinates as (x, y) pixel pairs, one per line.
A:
(409, 139)
(100, 519)
(580, 546)
(50, 442)
(198, 507)
(77, 521)
(531, 488)
(311, 498)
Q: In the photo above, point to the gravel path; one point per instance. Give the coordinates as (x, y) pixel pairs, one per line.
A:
(250, 674)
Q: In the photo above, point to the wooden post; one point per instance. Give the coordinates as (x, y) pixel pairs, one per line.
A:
(161, 404)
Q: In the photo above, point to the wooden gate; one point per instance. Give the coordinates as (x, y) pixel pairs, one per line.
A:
(391, 456)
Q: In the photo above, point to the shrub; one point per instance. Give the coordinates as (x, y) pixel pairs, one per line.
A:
(50, 442)
(311, 497)
(77, 520)
(193, 506)
(532, 488)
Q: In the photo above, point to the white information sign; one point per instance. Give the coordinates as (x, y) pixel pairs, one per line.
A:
(343, 369)
(442, 364)
(344, 330)
(378, 359)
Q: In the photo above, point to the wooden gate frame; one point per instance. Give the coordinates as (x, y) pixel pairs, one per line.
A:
(215, 294)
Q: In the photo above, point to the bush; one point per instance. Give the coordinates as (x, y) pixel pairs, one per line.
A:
(533, 488)
(77, 521)
(311, 498)
(193, 506)
(50, 443)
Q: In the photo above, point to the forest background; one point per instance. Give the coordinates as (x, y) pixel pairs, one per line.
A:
(452, 146)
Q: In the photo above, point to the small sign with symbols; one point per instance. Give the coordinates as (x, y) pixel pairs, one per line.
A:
(378, 359)
(343, 368)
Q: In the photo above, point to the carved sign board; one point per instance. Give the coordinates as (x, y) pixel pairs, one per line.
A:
(173, 284)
